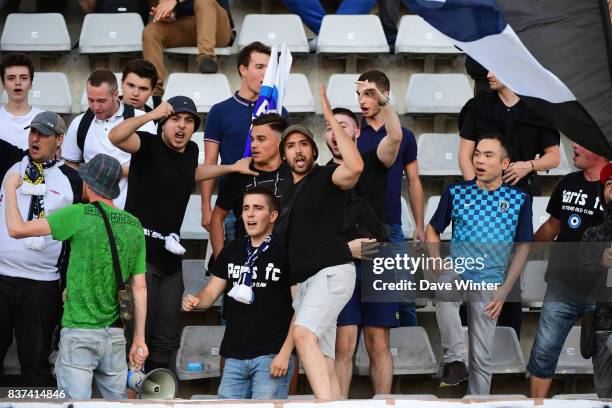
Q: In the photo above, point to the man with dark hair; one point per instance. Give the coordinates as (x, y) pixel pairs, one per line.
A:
(163, 173)
(374, 317)
(204, 23)
(88, 133)
(274, 174)
(229, 121)
(488, 216)
(138, 80)
(30, 268)
(252, 272)
(372, 132)
(17, 73)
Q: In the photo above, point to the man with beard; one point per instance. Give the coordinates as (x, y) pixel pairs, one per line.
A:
(164, 169)
(318, 255)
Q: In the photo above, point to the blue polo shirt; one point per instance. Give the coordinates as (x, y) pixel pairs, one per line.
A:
(369, 140)
(228, 123)
(485, 224)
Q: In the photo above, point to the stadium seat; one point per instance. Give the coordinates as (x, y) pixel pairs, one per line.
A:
(575, 397)
(437, 93)
(410, 350)
(565, 165)
(274, 29)
(11, 364)
(506, 355)
(416, 36)
(198, 138)
(193, 51)
(50, 91)
(494, 397)
(199, 345)
(539, 214)
(204, 89)
(342, 92)
(438, 154)
(204, 397)
(192, 227)
(84, 104)
(298, 96)
(304, 397)
(570, 360)
(533, 285)
(408, 224)
(430, 209)
(111, 32)
(418, 397)
(35, 32)
(356, 34)
(195, 278)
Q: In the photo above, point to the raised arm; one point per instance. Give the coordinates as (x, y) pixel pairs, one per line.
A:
(16, 227)
(124, 134)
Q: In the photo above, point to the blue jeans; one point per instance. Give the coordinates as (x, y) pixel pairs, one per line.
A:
(311, 11)
(230, 226)
(407, 310)
(88, 353)
(556, 321)
(250, 379)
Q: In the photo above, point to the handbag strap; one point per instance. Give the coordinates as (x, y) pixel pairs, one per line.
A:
(113, 247)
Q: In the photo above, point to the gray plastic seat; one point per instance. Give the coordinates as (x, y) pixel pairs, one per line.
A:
(204, 397)
(11, 365)
(572, 397)
(342, 92)
(205, 89)
(198, 138)
(298, 96)
(199, 344)
(410, 350)
(224, 51)
(302, 397)
(430, 209)
(192, 227)
(195, 278)
(437, 93)
(118, 75)
(351, 34)
(506, 355)
(494, 397)
(416, 36)
(35, 32)
(539, 214)
(50, 91)
(418, 397)
(570, 360)
(111, 32)
(408, 224)
(533, 285)
(438, 154)
(274, 29)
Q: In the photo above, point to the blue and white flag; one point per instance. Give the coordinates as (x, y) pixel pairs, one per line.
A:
(273, 88)
(552, 53)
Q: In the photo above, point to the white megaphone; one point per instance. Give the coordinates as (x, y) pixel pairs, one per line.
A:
(157, 384)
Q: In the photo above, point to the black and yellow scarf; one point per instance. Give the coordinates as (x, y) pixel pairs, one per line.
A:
(34, 184)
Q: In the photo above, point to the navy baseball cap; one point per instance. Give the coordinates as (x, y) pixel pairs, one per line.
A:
(185, 104)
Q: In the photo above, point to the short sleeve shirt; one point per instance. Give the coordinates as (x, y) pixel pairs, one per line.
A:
(13, 127)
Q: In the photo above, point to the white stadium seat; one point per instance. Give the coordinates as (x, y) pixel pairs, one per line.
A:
(430, 209)
(438, 154)
(416, 36)
(199, 345)
(35, 32)
(533, 285)
(205, 89)
(570, 360)
(539, 214)
(111, 32)
(437, 93)
(195, 278)
(274, 29)
(190, 51)
(356, 34)
(50, 91)
(298, 96)
(192, 227)
(507, 356)
(342, 92)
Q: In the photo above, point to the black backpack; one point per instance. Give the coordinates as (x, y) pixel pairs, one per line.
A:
(88, 117)
(361, 220)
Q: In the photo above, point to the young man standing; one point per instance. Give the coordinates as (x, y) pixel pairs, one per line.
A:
(318, 256)
(17, 73)
(92, 340)
(376, 318)
(88, 133)
(574, 206)
(30, 268)
(163, 172)
(138, 80)
(488, 217)
(274, 174)
(257, 344)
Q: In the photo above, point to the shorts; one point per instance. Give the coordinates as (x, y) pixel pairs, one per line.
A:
(320, 299)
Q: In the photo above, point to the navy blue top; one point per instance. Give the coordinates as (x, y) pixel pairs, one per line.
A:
(369, 140)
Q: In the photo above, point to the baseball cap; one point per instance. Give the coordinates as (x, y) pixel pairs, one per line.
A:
(605, 174)
(299, 128)
(48, 123)
(102, 174)
(184, 104)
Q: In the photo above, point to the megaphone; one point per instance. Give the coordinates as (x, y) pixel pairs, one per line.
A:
(157, 384)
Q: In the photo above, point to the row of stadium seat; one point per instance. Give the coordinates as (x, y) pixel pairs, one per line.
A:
(122, 32)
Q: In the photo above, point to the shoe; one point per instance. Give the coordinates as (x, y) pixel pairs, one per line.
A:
(453, 374)
(208, 65)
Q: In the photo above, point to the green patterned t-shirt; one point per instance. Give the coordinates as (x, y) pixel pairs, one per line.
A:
(91, 287)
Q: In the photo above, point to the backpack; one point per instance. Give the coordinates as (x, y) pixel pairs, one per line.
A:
(88, 117)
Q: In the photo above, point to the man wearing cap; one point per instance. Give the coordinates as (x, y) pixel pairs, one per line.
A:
(163, 172)
(319, 259)
(92, 342)
(30, 268)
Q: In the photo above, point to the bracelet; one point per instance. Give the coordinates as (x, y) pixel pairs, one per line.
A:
(532, 166)
(381, 104)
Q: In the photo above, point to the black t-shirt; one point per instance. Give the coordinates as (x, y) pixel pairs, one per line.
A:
(527, 132)
(372, 184)
(160, 182)
(315, 237)
(9, 155)
(576, 203)
(259, 328)
(235, 184)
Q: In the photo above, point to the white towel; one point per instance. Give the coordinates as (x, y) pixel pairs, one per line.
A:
(242, 293)
(172, 244)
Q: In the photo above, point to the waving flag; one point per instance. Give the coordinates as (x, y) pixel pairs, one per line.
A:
(552, 53)
(272, 91)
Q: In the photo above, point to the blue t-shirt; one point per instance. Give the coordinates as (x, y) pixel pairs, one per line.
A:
(369, 140)
(228, 123)
(493, 219)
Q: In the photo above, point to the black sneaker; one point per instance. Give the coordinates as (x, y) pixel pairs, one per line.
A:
(208, 65)
(453, 374)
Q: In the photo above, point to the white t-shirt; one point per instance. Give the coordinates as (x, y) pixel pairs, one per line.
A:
(97, 141)
(16, 259)
(11, 127)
